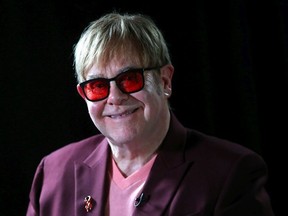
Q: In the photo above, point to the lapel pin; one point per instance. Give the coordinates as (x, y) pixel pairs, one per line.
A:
(88, 203)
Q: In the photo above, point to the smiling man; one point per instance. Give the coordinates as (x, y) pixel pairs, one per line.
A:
(143, 161)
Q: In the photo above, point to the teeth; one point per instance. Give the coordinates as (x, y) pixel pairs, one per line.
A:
(121, 115)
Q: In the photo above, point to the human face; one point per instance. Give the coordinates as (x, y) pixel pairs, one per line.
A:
(128, 118)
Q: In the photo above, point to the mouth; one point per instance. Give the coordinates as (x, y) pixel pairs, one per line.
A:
(121, 115)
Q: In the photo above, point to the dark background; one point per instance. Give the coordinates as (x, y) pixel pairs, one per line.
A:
(230, 79)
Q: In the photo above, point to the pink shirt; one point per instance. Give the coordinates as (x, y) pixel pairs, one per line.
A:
(123, 191)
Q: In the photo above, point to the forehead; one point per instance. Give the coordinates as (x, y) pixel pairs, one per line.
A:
(113, 67)
(121, 52)
(115, 59)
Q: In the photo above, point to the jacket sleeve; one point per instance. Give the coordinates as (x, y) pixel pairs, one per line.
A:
(34, 196)
(244, 191)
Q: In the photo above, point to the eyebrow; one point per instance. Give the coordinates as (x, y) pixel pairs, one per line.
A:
(122, 70)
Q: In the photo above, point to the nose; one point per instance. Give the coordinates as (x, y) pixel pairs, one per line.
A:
(116, 96)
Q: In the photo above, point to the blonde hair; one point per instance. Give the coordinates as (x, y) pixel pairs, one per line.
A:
(115, 33)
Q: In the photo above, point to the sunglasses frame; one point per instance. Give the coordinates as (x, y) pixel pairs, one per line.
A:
(142, 70)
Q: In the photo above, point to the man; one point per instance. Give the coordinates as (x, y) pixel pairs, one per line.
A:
(144, 162)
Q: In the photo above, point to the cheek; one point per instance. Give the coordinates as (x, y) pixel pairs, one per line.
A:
(95, 109)
(153, 85)
(150, 99)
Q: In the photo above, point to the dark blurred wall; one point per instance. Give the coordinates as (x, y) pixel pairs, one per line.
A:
(230, 79)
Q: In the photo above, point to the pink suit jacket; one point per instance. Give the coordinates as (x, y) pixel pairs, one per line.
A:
(193, 175)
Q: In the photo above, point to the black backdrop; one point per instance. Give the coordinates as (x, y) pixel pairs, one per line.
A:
(230, 79)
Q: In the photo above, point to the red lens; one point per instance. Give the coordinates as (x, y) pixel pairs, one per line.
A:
(130, 81)
(97, 90)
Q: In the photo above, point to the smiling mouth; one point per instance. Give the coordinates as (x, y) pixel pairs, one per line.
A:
(122, 114)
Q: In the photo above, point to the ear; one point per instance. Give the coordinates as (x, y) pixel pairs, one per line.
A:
(80, 91)
(167, 72)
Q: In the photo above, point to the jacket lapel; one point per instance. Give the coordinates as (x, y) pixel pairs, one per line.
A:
(90, 181)
(167, 172)
(157, 193)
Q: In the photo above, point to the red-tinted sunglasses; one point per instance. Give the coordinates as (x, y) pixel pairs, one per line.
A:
(129, 81)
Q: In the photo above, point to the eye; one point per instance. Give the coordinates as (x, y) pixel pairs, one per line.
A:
(131, 81)
(96, 85)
